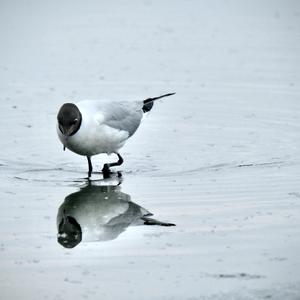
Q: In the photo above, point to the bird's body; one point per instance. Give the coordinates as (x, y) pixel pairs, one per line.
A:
(105, 126)
(92, 127)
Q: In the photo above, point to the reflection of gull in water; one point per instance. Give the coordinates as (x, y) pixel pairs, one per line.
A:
(99, 213)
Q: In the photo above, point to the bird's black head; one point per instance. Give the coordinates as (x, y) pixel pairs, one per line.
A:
(69, 232)
(69, 119)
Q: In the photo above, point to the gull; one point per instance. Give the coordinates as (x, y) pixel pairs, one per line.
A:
(92, 127)
(99, 213)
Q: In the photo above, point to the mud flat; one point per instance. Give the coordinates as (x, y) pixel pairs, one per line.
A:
(220, 159)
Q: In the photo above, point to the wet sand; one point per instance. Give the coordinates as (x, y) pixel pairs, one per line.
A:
(220, 159)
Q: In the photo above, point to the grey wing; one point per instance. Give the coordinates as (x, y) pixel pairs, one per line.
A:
(125, 116)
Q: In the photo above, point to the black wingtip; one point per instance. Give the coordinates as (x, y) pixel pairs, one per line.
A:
(148, 103)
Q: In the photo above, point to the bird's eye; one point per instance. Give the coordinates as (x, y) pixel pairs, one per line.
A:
(74, 122)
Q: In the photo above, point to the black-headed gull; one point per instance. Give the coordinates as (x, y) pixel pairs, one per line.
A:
(93, 127)
(99, 213)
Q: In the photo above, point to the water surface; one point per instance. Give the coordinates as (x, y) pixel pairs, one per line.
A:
(220, 159)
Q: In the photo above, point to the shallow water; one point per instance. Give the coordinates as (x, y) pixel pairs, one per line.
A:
(220, 159)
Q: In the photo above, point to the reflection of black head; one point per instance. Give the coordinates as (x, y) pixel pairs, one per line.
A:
(69, 232)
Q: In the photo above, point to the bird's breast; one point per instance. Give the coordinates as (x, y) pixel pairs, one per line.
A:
(93, 138)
